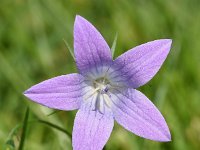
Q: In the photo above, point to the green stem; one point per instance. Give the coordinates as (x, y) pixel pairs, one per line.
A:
(56, 127)
(24, 129)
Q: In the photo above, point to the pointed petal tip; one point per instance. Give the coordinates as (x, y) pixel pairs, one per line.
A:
(166, 44)
(79, 18)
(161, 138)
(168, 41)
(25, 92)
(167, 139)
(29, 91)
(165, 41)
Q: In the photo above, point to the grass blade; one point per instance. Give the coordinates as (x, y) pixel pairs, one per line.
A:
(69, 48)
(56, 127)
(114, 45)
(53, 112)
(24, 129)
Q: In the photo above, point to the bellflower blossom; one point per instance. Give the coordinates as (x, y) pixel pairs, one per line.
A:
(104, 90)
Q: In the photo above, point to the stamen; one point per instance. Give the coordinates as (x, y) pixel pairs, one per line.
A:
(99, 104)
(94, 92)
(107, 100)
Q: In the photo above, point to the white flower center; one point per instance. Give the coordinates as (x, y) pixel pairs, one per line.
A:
(102, 94)
(98, 91)
(100, 87)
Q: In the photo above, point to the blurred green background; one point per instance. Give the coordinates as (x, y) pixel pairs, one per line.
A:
(32, 50)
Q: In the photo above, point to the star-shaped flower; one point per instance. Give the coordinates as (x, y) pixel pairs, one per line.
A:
(104, 90)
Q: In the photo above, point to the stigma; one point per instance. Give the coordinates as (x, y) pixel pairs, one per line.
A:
(99, 94)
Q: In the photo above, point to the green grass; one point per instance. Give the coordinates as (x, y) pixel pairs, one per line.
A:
(32, 50)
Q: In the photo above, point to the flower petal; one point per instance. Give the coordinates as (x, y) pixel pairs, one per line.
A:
(137, 66)
(62, 92)
(90, 48)
(91, 130)
(136, 113)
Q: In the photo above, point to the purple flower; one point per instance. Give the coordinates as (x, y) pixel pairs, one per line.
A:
(104, 90)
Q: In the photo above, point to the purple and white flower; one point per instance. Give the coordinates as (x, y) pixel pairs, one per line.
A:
(104, 90)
